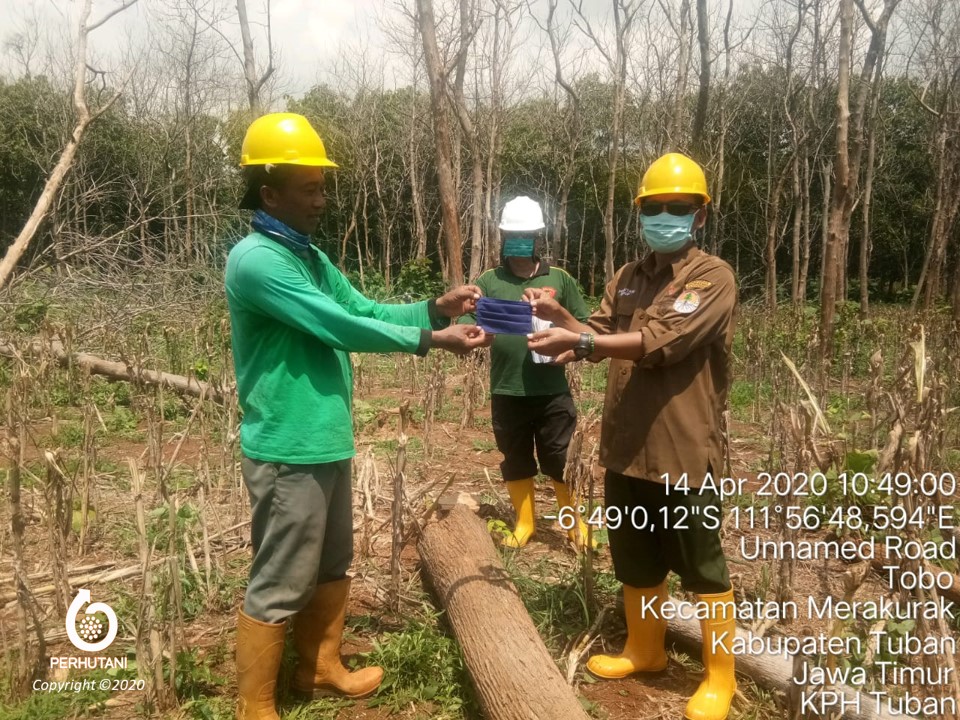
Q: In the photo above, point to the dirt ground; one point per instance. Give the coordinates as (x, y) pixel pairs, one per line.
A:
(464, 456)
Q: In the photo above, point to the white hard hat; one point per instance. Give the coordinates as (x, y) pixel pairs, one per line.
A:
(522, 214)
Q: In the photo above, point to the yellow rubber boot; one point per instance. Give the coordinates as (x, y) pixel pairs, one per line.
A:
(643, 651)
(259, 651)
(317, 633)
(715, 694)
(521, 495)
(577, 534)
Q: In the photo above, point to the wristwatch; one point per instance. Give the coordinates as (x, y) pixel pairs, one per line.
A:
(584, 347)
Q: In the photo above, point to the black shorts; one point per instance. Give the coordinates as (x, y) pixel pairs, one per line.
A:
(642, 556)
(520, 422)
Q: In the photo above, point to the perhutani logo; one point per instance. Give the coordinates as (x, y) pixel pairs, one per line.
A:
(90, 626)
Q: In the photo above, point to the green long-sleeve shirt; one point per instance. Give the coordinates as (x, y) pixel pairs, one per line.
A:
(512, 370)
(294, 319)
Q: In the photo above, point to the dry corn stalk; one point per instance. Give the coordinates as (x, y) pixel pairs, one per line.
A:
(398, 505)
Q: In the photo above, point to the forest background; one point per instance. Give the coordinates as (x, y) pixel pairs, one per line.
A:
(563, 102)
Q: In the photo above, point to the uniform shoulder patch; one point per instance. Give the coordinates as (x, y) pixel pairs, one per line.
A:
(698, 285)
(687, 302)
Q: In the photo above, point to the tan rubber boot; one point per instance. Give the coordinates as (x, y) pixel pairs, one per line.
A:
(577, 534)
(521, 495)
(317, 633)
(715, 694)
(259, 651)
(643, 651)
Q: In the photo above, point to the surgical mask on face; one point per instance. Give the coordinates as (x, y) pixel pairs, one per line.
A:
(666, 233)
(518, 247)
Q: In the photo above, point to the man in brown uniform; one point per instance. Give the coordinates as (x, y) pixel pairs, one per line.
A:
(667, 324)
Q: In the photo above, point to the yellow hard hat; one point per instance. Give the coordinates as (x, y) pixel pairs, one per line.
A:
(283, 139)
(673, 173)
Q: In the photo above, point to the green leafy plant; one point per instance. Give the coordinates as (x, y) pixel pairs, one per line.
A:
(421, 664)
(29, 316)
(418, 280)
(200, 369)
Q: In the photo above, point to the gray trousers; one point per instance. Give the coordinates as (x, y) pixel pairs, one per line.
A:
(302, 532)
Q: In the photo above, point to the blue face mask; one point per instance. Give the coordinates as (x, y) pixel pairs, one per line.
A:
(504, 317)
(666, 233)
(518, 247)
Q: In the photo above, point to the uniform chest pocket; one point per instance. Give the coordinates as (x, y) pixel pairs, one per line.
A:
(630, 316)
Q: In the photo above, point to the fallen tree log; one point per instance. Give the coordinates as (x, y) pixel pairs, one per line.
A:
(118, 370)
(513, 673)
(776, 673)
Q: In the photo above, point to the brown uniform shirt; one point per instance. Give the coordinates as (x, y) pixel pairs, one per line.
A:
(662, 413)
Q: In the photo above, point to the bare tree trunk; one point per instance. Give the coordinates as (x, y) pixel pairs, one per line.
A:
(843, 264)
(797, 230)
(363, 250)
(770, 253)
(850, 130)
(188, 142)
(609, 233)
(416, 193)
(703, 95)
(838, 201)
(827, 172)
(944, 217)
(472, 135)
(807, 236)
(84, 119)
(351, 226)
(476, 218)
(502, 45)
(955, 297)
(866, 241)
(561, 232)
(623, 21)
(453, 266)
(869, 79)
(947, 197)
(774, 193)
(716, 226)
(675, 125)
(624, 14)
(254, 82)
(573, 125)
(798, 137)
(385, 224)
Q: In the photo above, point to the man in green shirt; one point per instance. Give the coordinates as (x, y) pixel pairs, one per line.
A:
(294, 319)
(531, 405)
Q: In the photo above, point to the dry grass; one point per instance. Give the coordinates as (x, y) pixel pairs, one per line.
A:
(135, 492)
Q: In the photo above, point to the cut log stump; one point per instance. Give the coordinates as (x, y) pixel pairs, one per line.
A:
(513, 673)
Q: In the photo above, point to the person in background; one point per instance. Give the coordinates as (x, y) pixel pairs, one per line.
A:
(667, 323)
(531, 406)
(294, 320)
